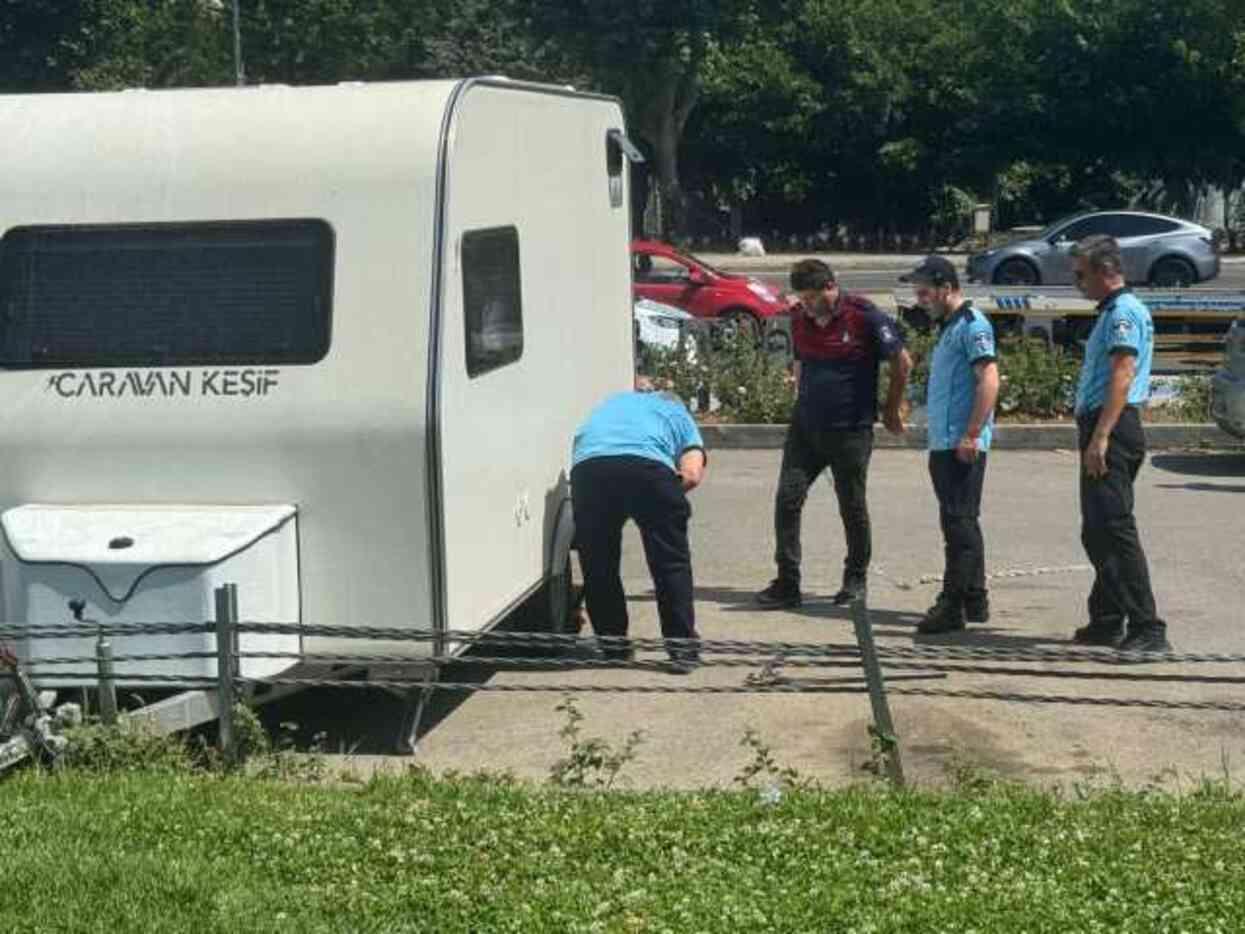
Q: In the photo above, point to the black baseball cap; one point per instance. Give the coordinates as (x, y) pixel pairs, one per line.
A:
(933, 270)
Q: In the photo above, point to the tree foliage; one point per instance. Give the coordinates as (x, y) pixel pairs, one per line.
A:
(884, 115)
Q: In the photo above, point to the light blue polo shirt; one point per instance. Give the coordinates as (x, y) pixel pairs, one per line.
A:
(1124, 325)
(638, 424)
(967, 339)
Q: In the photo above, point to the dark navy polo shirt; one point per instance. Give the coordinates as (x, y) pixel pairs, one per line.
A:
(839, 363)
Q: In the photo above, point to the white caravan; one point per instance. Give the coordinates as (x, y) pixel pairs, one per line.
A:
(327, 343)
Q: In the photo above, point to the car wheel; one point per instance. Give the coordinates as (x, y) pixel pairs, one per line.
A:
(1172, 273)
(1016, 272)
(557, 603)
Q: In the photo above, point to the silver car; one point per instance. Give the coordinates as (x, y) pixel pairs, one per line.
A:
(1227, 388)
(1160, 251)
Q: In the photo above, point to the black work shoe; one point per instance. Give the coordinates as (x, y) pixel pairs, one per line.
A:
(977, 609)
(683, 664)
(852, 591)
(1108, 635)
(617, 650)
(1151, 639)
(780, 595)
(943, 616)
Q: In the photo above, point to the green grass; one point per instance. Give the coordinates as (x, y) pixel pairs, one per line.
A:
(185, 852)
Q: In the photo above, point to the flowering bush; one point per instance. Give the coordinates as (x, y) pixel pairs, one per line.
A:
(736, 380)
(729, 375)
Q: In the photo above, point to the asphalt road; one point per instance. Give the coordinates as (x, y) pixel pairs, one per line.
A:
(1191, 510)
(1201, 355)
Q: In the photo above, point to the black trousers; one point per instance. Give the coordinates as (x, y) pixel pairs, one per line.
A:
(806, 453)
(1121, 588)
(606, 492)
(958, 487)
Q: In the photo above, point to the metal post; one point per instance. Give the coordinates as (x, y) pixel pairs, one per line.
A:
(226, 659)
(413, 712)
(239, 74)
(883, 729)
(107, 686)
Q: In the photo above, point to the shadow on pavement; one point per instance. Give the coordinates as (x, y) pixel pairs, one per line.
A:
(1203, 487)
(989, 637)
(1226, 464)
(362, 721)
(899, 624)
(367, 720)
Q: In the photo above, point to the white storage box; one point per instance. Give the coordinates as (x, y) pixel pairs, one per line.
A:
(136, 564)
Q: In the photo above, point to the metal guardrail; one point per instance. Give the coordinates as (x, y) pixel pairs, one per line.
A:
(489, 650)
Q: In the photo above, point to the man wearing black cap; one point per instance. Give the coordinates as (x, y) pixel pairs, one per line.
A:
(839, 340)
(963, 387)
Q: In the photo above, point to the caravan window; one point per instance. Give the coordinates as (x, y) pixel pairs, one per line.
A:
(614, 167)
(250, 292)
(492, 298)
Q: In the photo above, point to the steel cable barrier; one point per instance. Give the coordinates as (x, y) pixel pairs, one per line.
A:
(28, 725)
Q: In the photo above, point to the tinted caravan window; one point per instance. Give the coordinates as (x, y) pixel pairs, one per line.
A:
(251, 292)
(492, 298)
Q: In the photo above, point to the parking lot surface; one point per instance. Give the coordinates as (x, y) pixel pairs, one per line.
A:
(1191, 509)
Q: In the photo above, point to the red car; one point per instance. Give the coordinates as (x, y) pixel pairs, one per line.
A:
(663, 274)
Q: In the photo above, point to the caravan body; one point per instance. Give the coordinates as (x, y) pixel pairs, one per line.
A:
(327, 343)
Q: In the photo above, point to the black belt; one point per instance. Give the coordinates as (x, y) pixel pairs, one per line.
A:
(1091, 415)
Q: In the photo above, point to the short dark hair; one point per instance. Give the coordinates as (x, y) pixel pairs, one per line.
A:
(811, 275)
(1103, 253)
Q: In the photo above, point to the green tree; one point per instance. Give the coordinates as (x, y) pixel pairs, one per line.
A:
(652, 53)
(42, 42)
(157, 44)
(748, 135)
(1121, 93)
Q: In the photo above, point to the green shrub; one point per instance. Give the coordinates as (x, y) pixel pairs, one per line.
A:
(1035, 380)
(101, 749)
(729, 375)
(735, 380)
(1192, 404)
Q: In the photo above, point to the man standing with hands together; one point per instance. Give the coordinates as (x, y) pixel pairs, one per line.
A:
(1114, 384)
(963, 387)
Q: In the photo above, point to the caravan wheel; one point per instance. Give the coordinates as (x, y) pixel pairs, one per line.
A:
(559, 609)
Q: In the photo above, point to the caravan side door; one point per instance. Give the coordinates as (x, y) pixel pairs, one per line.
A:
(536, 326)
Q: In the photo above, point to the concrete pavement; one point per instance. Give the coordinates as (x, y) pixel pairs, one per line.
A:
(1191, 508)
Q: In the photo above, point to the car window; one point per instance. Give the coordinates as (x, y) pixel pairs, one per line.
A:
(1085, 227)
(1130, 225)
(708, 268)
(650, 267)
(1048, 232)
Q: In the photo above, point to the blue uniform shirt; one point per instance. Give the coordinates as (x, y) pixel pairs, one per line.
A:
(966, 339)
(638, 424)
(1123, 326)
